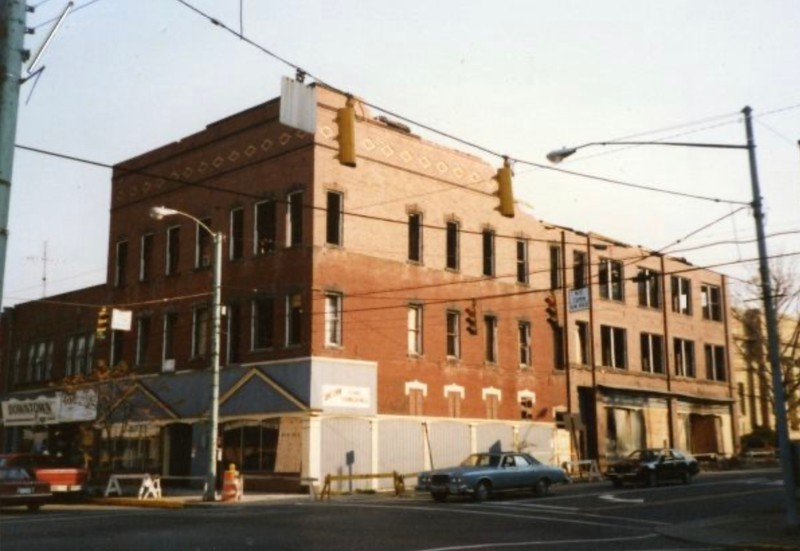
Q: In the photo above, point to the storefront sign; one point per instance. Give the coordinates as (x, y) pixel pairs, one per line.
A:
(578, 299)
(42, 410)
(339, 396)
(49, 410)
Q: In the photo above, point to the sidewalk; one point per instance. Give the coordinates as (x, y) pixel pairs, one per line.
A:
(192, 499)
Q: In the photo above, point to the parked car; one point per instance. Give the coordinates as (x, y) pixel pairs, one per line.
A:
(481, 474)
(62, 477)
(652, 466)
(17, 487)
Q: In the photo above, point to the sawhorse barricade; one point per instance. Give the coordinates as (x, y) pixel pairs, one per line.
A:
(585, 466)
(399, 483)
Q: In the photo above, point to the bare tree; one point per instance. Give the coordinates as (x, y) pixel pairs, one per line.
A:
(752, 345)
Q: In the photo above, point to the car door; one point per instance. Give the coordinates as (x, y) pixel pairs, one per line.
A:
(668, 466)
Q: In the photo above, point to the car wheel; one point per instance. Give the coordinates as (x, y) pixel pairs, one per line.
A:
(482, 491)
(617, 483)
(439, 496)
(34, 507)
(541, 488)
(652, 479)
(686, 477)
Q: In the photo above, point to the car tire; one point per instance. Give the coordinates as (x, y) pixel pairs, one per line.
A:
(686, 477)
(482, 491)
(652, 479)
(541, 488)
(34, 507)
(439, 497)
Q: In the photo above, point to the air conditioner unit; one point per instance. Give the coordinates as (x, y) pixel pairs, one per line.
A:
(169, 365)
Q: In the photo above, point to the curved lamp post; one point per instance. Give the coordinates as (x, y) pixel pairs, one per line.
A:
(781, 422)
(216, 310)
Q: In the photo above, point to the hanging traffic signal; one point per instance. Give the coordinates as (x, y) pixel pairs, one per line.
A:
(102, 323)
(472, 319)
(550, 309)
(504, 190)
(346, 117)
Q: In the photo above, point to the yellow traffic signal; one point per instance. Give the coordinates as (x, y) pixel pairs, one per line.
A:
(472, 319)
(504, 190)
(102, 323)
(346, 117)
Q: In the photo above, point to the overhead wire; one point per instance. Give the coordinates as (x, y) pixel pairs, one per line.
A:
(447, 135)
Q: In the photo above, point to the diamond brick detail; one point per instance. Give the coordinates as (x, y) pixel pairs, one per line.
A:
(441, 167)
(250, 150)
(187, 172)
(406, 156)
(369, 145)
(424, 162)
(285, 138)
(327, 132)
(233, 156)
(218, 161)
(202, 167)
(387, 150)
(266, 144)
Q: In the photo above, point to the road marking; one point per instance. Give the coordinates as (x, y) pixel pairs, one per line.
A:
(533, 543)
(612, 497)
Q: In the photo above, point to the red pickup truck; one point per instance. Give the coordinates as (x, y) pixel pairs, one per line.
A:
(62, 477)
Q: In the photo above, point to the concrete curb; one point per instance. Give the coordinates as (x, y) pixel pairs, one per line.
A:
(134, 502)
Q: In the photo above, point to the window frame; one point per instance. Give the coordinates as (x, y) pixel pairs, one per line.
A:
(651, 347)
(415, 229)
(556, 267)
(678, 291)
(121, 250)
(333, 319)
(716, 366)
(173, 251)
(648, 285)
(523, 276)
(201, 325)
(711, 308)
(489, 252)
(265, 227)
(614, 343)
(491, 352)
(610, 288)
(414, 328)
(524, 340)
(453, 334)
(146, 255)
(685, 364)
(236, 233)
(294, 319)
(452, 245)
(294, 218)
(579, 272)
(262, 323)
(334, 218)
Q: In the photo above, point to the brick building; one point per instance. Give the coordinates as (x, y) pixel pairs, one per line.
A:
(382, 316)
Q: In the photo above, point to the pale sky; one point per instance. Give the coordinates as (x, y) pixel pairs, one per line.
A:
(518, 77)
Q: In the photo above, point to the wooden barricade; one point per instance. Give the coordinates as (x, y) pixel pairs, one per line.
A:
(399, 483)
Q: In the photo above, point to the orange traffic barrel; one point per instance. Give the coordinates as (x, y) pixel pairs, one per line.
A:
(230, 484)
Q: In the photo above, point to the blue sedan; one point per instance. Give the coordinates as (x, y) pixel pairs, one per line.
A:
(481, 474)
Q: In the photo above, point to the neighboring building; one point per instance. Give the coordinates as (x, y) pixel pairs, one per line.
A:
(379, 317)
(753, 375)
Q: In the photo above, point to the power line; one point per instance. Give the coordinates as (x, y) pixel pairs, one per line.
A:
(473, 145)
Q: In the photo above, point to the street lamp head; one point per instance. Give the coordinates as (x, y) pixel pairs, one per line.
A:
(159, 212)
(558, 155)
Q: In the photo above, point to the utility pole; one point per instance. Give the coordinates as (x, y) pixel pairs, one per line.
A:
(12, 55)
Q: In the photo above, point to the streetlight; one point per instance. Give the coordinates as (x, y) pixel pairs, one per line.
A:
(781, 423)
(216, 309)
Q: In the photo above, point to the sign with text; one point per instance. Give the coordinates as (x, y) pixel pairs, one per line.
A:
(578, 299)
(339, 396)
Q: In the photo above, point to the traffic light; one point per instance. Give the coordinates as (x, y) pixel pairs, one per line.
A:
(346, 117)
(504, 190)
(102, 323)
(550, 309)
(472, 319)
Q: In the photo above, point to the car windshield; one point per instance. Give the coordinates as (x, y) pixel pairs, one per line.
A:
(644, 455)
(481, 460)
